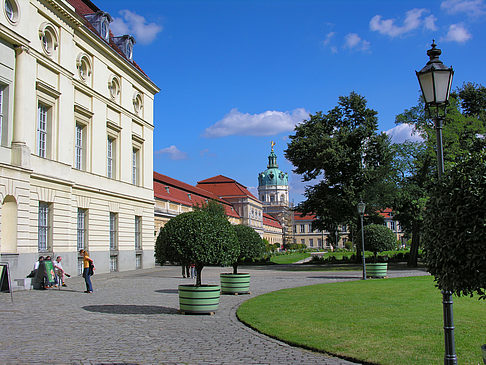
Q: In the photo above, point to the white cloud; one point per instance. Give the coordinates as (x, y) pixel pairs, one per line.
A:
(172, 152)
(136, 25)
(263, 124)
(402, 133)
(429, 23)
(413, 20)
(328, 38)
(354, 41)
(472, 8)
(457, 33)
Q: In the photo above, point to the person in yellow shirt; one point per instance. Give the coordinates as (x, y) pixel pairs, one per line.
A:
(88, 268)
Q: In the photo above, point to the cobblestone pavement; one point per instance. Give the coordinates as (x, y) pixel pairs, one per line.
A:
(132, 318)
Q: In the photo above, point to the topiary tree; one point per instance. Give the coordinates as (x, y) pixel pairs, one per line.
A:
(455, 227)
(252, 246)
(200, 238)
(377, 238)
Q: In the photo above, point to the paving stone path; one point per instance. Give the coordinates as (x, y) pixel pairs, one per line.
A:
(132, 318)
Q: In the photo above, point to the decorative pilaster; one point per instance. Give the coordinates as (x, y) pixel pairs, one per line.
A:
(23, 95)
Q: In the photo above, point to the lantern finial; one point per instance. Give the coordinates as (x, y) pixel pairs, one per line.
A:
(434, 54)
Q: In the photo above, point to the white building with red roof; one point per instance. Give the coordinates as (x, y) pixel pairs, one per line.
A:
(76, 139)
(173, 197)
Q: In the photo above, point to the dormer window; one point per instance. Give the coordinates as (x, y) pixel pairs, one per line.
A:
(167, 189)
(101, 22)
(125, 44)
(189, 196)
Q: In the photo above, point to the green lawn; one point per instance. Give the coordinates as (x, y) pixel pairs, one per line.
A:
(289, 258)
(387, 321)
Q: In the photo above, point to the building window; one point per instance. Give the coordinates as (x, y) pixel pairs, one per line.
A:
(138, 103)
(80, 265)
(3, 110)
(113, 231)
(302, 228)
(138, 261)
(43, 227)
(135, 166)
(272, 198)
(310, 227)
(319, 242)
(11, 10)
(42, 130)
(392, 225)
(113, 263)
(138, 232)
(80, 147)
(110, 154)
(295, 229)
(302, 241)
(311, 242)
(83, 64)
(114, 87)
(81, 230)
(48, 37)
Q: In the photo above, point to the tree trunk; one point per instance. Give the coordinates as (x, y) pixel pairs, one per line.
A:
(235, 269)
(198, 274)
(412, 260)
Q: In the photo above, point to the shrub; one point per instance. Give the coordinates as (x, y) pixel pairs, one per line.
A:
(348, 245)
(251, 245)
(377, 238)
(199, 238)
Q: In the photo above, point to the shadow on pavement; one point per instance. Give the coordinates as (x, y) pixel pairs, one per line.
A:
(130, 309)
(168, 291)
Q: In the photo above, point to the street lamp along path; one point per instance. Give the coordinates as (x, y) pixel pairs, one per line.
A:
(435, 81)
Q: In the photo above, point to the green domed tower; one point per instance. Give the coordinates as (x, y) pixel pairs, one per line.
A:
(273, 187)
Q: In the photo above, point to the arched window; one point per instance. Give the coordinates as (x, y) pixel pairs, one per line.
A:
(8, 239)
(83, 64)
(49, 39)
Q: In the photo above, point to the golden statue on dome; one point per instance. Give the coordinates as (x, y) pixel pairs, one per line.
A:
(272, 144)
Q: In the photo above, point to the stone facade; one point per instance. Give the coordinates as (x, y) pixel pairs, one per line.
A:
(76, 140)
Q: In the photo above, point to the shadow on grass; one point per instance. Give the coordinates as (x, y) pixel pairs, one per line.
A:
(130, 309)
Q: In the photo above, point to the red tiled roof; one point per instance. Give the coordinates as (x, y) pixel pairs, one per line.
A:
(268, 220)
(309, 217)
(179, 193)
(386, 213)
(83, 7)
(223, 186)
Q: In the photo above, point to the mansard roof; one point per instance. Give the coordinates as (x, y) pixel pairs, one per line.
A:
(172, 190)
(84, 7)
(224, 186)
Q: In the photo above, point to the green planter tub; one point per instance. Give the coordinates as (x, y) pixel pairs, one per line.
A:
(202, 299)
(378, 270)
(235, 283)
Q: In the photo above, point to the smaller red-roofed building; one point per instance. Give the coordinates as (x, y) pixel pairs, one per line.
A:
(304, 234)
(314, 238)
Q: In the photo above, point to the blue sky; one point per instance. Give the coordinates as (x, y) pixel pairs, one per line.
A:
(236, 75)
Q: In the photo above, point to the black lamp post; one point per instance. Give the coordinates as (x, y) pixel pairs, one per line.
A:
(361, 210)
(435, 81)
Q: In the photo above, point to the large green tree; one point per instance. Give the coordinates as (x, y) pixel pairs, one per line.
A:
(346, 158)
(413, 166)
(415, 163)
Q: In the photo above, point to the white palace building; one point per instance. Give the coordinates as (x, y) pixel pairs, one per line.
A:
(76, 133)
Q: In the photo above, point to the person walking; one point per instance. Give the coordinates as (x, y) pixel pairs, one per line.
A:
(88, 268)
